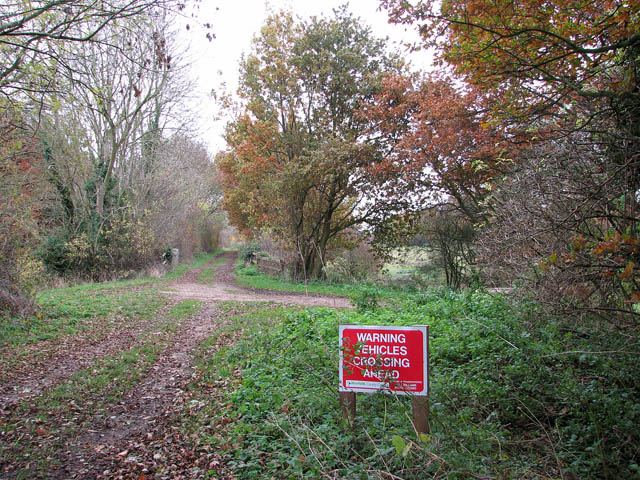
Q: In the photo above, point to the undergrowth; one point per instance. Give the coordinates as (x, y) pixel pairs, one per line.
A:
(251, 277)
(512, 396)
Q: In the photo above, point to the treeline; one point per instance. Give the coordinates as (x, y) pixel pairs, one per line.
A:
(518, 160)
(99, 173)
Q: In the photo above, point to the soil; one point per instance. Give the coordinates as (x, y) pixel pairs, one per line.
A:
(224, 289)
(136, 438)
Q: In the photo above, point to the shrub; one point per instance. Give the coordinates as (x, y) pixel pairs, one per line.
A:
(248, 253)
(350, 266)
(53, 252)
(365, 299)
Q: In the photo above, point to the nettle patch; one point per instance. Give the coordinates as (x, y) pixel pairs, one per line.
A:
(509, 397)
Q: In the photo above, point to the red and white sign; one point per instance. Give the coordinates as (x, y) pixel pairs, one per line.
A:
(388, 359)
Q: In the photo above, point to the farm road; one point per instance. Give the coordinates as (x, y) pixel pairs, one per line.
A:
(224, 289)
(136, 436)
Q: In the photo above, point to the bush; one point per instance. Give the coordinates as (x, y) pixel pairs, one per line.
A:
(53, 252)
(365, 299)
(248, 253)
(351, 266)
(124, 244)
(250, 271)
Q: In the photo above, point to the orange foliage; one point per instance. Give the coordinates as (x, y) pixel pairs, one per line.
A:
(439, 140)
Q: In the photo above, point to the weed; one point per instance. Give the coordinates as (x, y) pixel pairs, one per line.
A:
(510, 398)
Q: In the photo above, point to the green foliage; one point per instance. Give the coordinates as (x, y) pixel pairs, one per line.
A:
(53, 252)
(301, 155)
(509, 398)
(251, 277)
(248, 253)
(250, 271)
(123, 243)
(365, 299)
(209, 230)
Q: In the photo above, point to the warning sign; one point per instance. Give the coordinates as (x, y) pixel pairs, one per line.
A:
(388, 359)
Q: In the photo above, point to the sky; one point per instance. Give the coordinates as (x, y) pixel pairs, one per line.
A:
(214, 65)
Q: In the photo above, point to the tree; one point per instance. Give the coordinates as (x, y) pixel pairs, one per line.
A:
(566, 72)
(300, 159)
(561, 229)
(535, 58)
(116, 146)
(439, 142)
(21, 202)
(32, 34)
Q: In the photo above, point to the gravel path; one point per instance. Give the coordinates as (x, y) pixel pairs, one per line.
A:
(225, 289)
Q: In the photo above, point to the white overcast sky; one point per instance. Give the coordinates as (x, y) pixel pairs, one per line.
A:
(235, 23)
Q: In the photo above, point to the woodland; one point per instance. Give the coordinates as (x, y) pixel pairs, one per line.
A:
(510, 170)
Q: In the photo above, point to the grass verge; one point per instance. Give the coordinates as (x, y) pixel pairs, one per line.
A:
(510, 398)
(251, 277)
(66, 311)
(69, 311)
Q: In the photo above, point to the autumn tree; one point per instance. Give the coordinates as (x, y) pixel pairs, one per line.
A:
(437, 139)
(438, 142)
(567, 72)
(537, 58)
(22, 194)
(300, 157)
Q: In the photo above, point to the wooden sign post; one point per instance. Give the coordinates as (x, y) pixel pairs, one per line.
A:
(385, 359)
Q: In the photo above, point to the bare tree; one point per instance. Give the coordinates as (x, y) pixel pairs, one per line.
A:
(32, 33)
(110, 134)
(565, 226)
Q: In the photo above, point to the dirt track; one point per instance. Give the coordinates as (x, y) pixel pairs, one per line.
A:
(224, 289)
(136, 437)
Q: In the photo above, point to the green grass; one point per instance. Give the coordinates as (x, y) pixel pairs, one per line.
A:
(184, 309)
(66, 311)
(69, 311)
(215, 376)
(513, 395)
(106, 381)
(251, 277)
(207, 274)
(198, 261)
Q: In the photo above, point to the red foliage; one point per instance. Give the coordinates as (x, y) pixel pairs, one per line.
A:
(439, 140)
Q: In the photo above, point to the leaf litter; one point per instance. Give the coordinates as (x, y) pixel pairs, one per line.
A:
(140, 436)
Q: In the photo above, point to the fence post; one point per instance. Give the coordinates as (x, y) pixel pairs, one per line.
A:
(420, 410)
(348, 406)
